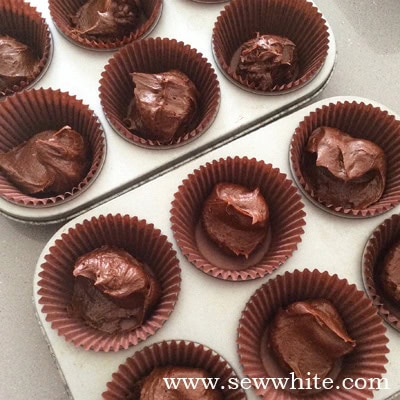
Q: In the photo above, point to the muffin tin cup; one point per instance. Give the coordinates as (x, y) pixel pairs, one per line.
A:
(30, 112)
(285, 207)
(366, 361)
(380, 241)
(56, 283)
(298, 20)
(171, 353)
(22, 22)
(156, 55)
(359, 120)
(210, 1)
(61, 12)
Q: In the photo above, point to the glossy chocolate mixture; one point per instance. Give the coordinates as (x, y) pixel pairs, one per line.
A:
(236, 218)
(17, 63)
(267, 61)
(164, 106)
(51, 162)
(107, 18)
(113, 291)
(153, 387)
(309, 336)
(342, 170)
(391, 273)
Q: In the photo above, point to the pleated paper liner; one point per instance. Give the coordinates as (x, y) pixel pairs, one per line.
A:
(366, 361)
(30, 112)
(61, 12)
(298, 20)
(286, 218)
(380, 241)
(171, 353)
(22, 22)
(140, 239)
(156, 55)
(359, 120)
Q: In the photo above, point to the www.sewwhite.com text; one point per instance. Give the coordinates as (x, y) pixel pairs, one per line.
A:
(287, 383)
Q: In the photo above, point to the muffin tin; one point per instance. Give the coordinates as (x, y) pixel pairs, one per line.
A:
(208, 310)
(77, 71)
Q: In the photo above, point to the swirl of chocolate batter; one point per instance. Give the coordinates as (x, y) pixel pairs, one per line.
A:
(164, 106)
(49, 163)
(342, 170)
(267, 61)
(113, 291)
(390, 275)
(17, 63)
(309, 337)
(107, 18)
(153, 386)
(236, 218)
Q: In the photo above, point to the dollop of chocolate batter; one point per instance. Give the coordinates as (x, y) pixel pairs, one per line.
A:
(342, 170)
(49, 163)
(267, 61)
(236, 218)
(164, 106)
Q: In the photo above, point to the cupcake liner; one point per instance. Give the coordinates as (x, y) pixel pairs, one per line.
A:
(156, 55)
(30, 112)
(297, 20)
(366, 361)
(359, 120)
(61, 12)
(143, 241)
(171, 353)
(25, 24)
(383, 237)
(285, 207)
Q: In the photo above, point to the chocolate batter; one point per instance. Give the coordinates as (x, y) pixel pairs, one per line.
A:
(236, 218)
(164, 106)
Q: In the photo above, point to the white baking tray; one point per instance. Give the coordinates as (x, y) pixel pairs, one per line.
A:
(330, 243)
(77, 71)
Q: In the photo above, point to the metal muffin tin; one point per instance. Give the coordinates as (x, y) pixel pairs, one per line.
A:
(208, 309)
(77, 71)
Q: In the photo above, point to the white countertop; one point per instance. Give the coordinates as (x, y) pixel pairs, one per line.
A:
(367, 65)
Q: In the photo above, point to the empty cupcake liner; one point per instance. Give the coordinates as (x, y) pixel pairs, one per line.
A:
(285, 207)
(140, 239)
(366, 361)
(359, 120)
(171, 353)
(22, 22)
(61, 12)
(380, 241)
(156, 55)
(30, 112)
(298, 20)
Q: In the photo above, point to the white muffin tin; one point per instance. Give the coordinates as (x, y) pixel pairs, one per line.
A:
(77, 71)
(208, 309)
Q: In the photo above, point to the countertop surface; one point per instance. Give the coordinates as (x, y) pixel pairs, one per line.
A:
(368, 62)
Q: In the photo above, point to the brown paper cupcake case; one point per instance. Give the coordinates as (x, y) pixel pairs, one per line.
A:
(156, 55)
(170, 353)
(139, 238)
(368, 358)
(30, 112)
(380, 241)
(24, 23)
(62, 10)
(298, 20)
(359, 120)
(285, 206)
